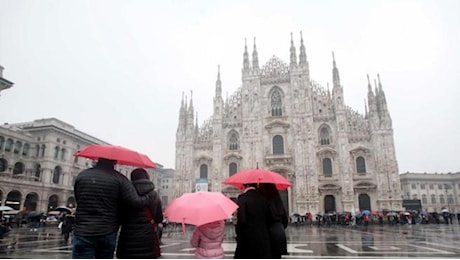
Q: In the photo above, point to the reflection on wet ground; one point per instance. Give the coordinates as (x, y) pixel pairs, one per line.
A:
(304, 241)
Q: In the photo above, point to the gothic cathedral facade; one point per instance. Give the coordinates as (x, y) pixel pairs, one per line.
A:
(281, 120)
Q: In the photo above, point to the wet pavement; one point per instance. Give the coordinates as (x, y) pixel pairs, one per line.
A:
(304, 241)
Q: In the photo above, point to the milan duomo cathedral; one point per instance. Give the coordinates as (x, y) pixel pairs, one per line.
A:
(281, 120)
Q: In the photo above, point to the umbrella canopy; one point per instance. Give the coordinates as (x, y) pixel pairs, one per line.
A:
(257, 176)
(200, 208)
(32, 214)
(121, 154)
(366, 212)
(5, 208)
(63, 209)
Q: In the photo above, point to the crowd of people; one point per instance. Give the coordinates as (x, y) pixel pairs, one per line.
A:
(372, 217)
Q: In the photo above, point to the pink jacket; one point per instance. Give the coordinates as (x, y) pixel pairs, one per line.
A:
(207, 239)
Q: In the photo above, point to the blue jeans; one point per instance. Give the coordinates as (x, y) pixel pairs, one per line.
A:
(94, 247)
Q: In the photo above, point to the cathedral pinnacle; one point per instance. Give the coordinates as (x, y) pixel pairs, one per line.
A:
(335, 72)
(303, 54)
(218, 83)
(245, 56)
(255, 57)
(293, 55)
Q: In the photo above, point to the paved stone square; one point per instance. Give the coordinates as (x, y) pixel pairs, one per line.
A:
(304, 241)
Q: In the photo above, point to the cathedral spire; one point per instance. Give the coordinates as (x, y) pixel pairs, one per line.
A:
(255, 57)
(303, 54)
(218, 83)
(245, 56)
(293, 55)
(365, 109)
(335, 72)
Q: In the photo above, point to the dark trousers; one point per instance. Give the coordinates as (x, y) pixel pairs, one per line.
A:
(101, 247)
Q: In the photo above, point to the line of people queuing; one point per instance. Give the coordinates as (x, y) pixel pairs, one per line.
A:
(374, 217)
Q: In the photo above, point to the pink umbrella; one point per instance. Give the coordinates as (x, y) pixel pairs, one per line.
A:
(200, 208)
(257, 176)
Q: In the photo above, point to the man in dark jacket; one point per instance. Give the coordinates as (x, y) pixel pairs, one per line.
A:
(253, 216)
(99, 192)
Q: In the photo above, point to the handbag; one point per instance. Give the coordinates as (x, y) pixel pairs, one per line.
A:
(154, 228)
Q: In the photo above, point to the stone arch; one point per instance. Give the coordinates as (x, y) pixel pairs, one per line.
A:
(13, 199)
(31, 201)
(53, 202)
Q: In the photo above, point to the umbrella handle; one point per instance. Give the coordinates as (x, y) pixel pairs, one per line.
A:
(183, 226)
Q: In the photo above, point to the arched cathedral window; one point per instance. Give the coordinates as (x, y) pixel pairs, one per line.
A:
(278, 144)
(233, 142)
(203, 171)
(276, 103)
(360, 165)
(327, 167)
(324, 136)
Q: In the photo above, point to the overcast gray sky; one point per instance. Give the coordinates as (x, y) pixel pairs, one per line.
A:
(117, 69)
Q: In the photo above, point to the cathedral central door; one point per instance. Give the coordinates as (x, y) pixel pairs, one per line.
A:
(329, 203)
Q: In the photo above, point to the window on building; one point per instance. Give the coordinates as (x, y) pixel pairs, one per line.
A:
(2, 140)
(433, 199)
(422, 186)
(233, 143)
(324, 136)
(278, 144)
(450, 199)
(424, 200)
(37, 170)
(37, 150)
(327, 167)
(204, 171)
(439, 186)
(276, 103)
(17, 147)
(431, 186)
(8, 145)
(56, 174)
(441, 199)
(43, 150)
(18, 168)
(25, 149)
(413, 186)
(232, 168)
(360, 165)
(56, 152)
(63, 154)
(3, 165)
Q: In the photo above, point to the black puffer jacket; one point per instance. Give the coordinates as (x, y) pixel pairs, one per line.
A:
(137, 237)
(99, 193)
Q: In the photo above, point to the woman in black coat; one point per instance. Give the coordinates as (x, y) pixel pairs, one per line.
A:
(138, 236)
(279, 220)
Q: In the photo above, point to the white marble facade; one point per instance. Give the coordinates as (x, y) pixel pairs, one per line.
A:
(281, 120)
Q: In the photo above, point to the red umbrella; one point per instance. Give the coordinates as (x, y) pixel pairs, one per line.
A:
(200, 208)
(257, 176)
(121, 154)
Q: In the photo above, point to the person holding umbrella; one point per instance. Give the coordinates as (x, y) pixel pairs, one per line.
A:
(139, 235)
(278, 241)
(253, 216)
(99, 192)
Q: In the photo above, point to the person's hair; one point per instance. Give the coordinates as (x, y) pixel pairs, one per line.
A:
(138, 174)
(106, 163)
